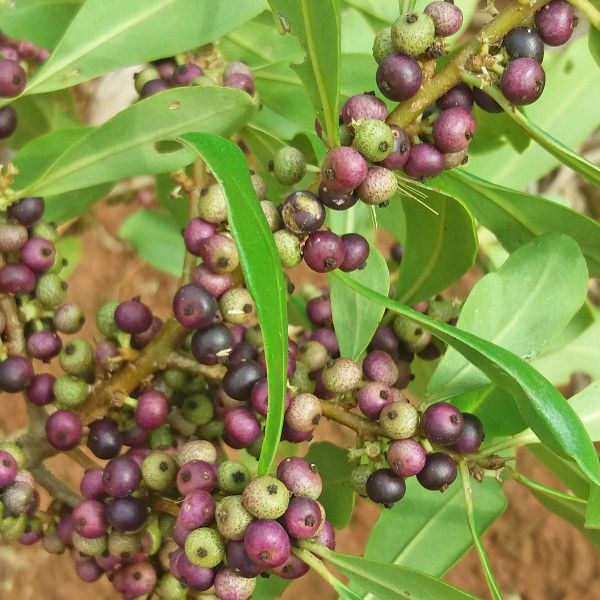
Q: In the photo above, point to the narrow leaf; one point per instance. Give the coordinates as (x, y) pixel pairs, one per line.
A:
(587, 406)
(592, 510)
(262, 271)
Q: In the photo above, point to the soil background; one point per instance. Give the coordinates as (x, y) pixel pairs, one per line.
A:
(535, 555)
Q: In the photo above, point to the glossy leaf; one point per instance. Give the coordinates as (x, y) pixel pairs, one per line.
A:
(338, 495)
(592, 510)
(357, 219)
(157, 238)
(110, 34)
(587, 406)
(516, 218)
(543, 407)
(504, 308)
(438, 248)
(316, 23)
(271, 588)
(126, 145)
(66, 206)
(428, 531)
(356, 319)
(262, 271)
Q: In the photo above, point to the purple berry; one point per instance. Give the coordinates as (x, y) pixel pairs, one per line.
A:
(40, 392)
(524, 42)
(326, 337)
(240, 379)
(302, 212)
(241, 82)
(196, 510)
(196, 578)
(8, 469)
(267, 543)
(292, 568)
(196, 475)
(336, 200)
(216, 283)
(400, 150)
(242, 428)
(486, 102)
(356, 252)
(15, 278)
(219, 254)
(122, 476)
(91, 485)
(133, 316)
(141, 340)
(104, 439)
(555, 21)
(454, 129)
(165, 67)
(385, 339)
(151, 410)
(327, 536)
(380, 366)
(88, 570)
(442, 423)
(344, 170)
(303, 517)
(12, 78)
(425, 161)
(194, 307)
(523, 81)
(238, 67)
(406, 457)
(438, 473)
(318, 311)
(373, 397)
(16, 374)
(8, 121)
(239, 561)
(196, 233)
(399, 77)
(363, 107)
(242, 351)
(385, 487)
(89, 519)
(44, 345)
(126, 514)
(300, 477)
(324, 251)
(471, 437)
(460, 96)
(27, 211)
(447, 17)
(139, 580)
(153, 87)
(38, 254)
(186, 73)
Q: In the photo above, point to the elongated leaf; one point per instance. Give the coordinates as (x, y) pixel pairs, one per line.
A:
(156, 238)
(428, 531)
(594, 44)
(542, 406)
(515, 218)
(504, 308)
(592, 510)
(357, 219)
(393, 582)
(111, 34)
(316, 23)
(269, 589)
(356, 319)
(438, 249)
(262, 272)
(587, 406)
(128, 145)
(338, 494)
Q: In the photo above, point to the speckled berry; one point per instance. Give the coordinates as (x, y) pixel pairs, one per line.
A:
(555, 21)
(196, 233)
(204, 548)
(232, 477)
(413, 33)
(232, 586)
(289, 165)
(302, 212)
(266, 498)
(399, 420)
(442, 423)
(523, 81)
(303, 518)
(363, 107)
(344, 169)
(447, 17)
(267, 543)
(378, 187)
(232, 518)
(372, 398)
(454, 129)
(288, 248)
(406, 457)
(373, 139)
(342, 376)
(220, 254)
(304, 412)
(159, 471)
(212, 205)
(383, 45)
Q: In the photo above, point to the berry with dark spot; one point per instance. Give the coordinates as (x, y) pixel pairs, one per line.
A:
(399, 77)
(372, 398)
(302, 212)
(12, 78)
(266, 498)
(378, 187)
(447, 17)
(122, 476)
(438, 473)
(363, 107)
(523, 81)
(442, 423)
(397, 158)
(230, 585)
(232, 518)
(303, 517)
(289, 165)
(232, 477)
(406, 457)
(385, 487)
(399, 420)
(186, 73)
(38, 254)
(193, 306)
(454, 129)
(133, 316)
(196, 475)
(413, 33)
(220, 254)
(324, 251)
(204, 548)
(212, 344)
(471, 437)
(337, 200)
(267, 543)
(344, 169)
(64, 430)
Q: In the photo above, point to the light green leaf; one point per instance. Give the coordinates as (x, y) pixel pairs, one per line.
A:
(587, 406)
(356, 319)
(65, 206)
(592, 510)
(594, 44)
(504, 308)
(357, 219)
(271, 588)
(262, 272)
(70, 248)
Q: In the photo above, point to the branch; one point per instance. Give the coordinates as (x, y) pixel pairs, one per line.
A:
(213, 373)
(362, 426)
(57, 489)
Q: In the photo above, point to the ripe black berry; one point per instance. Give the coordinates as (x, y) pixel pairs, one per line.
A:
(385, 487)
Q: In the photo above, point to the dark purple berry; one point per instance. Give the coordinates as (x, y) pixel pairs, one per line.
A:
(344, 170)
(64, 430)
(327, 338)
(196, 510)
(12, 78)
(126, 514)
(151, 410)
(27, 211)
(356, 252)
(447, 17)
(486, 102)
(327, 536)
(122, 475)
(454, 129)
(380, 366)
(242, 351)
(239, 561)
(196, 233)
(8, 121)
(267, 543)
(104, 439)
(40, 392)
(302, 212)
(363, 107)
(241, 82)
(165, 67)
(318, 311)
(400, 150)
(194, 307)
(240, 379)
(44, 345)
(385, 487)
(303, 517)
(133, 316)
(324, 251)
(425, 161)
(385, 339)
(241, 427)
(336, 200)
(195, 578)
(523, 81)
(16, 374)
(524, 42)
(442, 423)
(292, 568)
(460, 96)
(141, 340)
(399, 77)
(186, 73)
(406, 457)
(153, 87)
(555, 21)
(91, 485)
(15, 278)
(438, 473)
(471, 437)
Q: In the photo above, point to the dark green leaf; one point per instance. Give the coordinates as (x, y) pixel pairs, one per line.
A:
(504, 308)
(126, 145)
(428, 531)
(335, 470)
(156, 237)
(594, 44)
(438, 248)
(356, 319)
(316, 23)
(542, 406)
(516, 218)
(262, 271)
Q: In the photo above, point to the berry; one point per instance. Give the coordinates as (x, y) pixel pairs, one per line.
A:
(240, 82)
(43, 345)
(91, 484)
(336, 200)
(486, 102)
(363, 107)
(8, 469)
(159, 471)
(304, 412)
(378, 187)
(342, 376)
(89, 519)
(204, 548)
(8, 121)
(380, 366)
(104, 439)
(50, 290)
(318, 311)
(68, 318)
(344, 170)
(196, 450)
(524, 42)
(122, 475)
(40, 392)
(454, 129)
(356, 252)
(302, 212)
(231, 586)
(460, 96)
(198, 409)
(195, 578)
(425, 161)
(555, 21)
(15, 278)
(438, 473)
(196, 475)
(12, 78)
(399, 77)
(372, 398)
(239, 379)
(272, 215)
(303, 517)
(412, 34)
(442, 423)
(288, 248)
(237, 306)
(406, 457)
(38, 254)
(397, 158)
(193, 306)
(13, 237)
(232, 477)
(27, 211)
(126, 514)
(373, 139)
(242, 428)
(64, 430)
(385, 487)
(133, 316)
(455, 159)
(447, 17)
(471, 437)
(151, 410)
(16, 374)
(399, 420)
(211, 344)
(186, 73)
(239, 561)
(153, 87)
(77, 358)
(216, 283)
(289, 165)
(220, 254)
(383, 45)
(196, 233)
(324, 251)
(523, 81)
(266, 498)
(267, 543)
(232, 518)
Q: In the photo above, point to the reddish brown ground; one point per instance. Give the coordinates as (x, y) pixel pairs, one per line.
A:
(536, 556)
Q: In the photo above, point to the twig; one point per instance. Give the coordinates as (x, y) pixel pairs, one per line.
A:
(82, 459)
(56, 488)
(362, 426)
(538, 487)
(213, 373)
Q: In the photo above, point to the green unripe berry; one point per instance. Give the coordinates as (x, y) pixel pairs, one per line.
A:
(161, 438)
(212, 205)
(272, 215)
(211, 431)
(153, 533)
(176, 379)
(441, 310)
(123, 545)
(237, 306)
(232, 477)
(16, 452)
(159, 471)
(358, 479)
(301, 379)
(266, 498)
(69, 391)
(343, 375)
(43, 229)
(232, 518)
(203, 81)
(204, 548)
(77, 357)
(254, 336)
(198, 409)
(255, 448)
(50, 290)
(51, 543)
(399, 420)
(60, 262)
(314, 355)
(289, 165)
(141, 78)
(12, 528)
(346, 135)
(90, 546)
(288, 248)
(383, 45)
(412, 34)
(169, 588)
(105, 319)
(406, 330)
(373, 139)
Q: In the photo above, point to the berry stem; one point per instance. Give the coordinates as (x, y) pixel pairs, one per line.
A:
(56, 488)
(589, 10)
(363, 427)
(451, 74)
(178, 361)
(520, 439)
(538, 487)
(483, 558)
(83, 460)
(315, 563)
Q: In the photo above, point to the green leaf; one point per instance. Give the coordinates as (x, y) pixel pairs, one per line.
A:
(357, 219)
(594, 44)
(156, 237)
(516, 218)
(65, 206)
(316, 23)
(110, 34)
(428, 531)
(504, 308)
(587, 406)
(262, 272)
(356, 319)
(393, 582)
(271, 588)
(592, 510)
(543, 407)
(438, 248)
(70, 248)
(338, 495)
(130, 143)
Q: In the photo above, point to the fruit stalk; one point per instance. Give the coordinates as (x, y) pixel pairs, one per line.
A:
(589, 10)
(56, 488)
